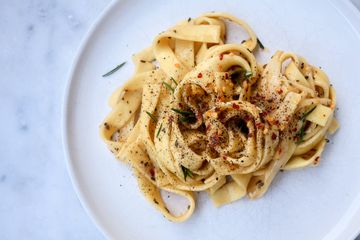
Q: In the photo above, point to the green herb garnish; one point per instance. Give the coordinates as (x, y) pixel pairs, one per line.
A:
(260, 43)
(248, 74)
(186, 117)
(183, 113)
(190, 119)
(301, 133)
(186, 172)
(240, 74)
(154, 119)
(168, 86)
(158, 132)
(172, 79)
(307, 113)
(114, 70)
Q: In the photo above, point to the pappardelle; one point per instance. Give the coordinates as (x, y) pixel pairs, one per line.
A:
(200, 114)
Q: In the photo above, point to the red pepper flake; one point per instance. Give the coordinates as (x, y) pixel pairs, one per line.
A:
(224, 157)
(199, 75)
(215, 140)
(235, 106)
(280, 91)
(273, 136)
(280, 150)
(295, 129)
(207, 127)
(226, 75)
(221, 99)
(259, 125)
(247, 118)
(221, 56)
(263, 114)
(152, 174)
(270, 120)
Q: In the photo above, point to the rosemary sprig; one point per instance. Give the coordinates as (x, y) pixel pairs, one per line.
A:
(168, 86)
(301, 133)
(158, 132)
(260, 43)
(186, 172)
(114, 70)
(153, 118)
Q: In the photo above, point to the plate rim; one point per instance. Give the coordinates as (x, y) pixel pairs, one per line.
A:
(344, 227)
(65, 118)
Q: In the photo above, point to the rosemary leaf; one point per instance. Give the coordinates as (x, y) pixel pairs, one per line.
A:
(260, 43)
(240, 74)
(186, 172)
(307, 114)
(190, 119)
(172, 79)
(183, 113)
(158, 132)
(168, 86)
(153, 118)
(301, 133)
(114, 70)
(248, 74)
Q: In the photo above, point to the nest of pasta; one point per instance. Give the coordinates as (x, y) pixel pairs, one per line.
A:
(200, 114)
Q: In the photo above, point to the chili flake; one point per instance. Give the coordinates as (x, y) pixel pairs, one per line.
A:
(235, 106)
(273, 136)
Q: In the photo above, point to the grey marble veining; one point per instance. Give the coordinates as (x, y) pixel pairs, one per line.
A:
(39, 39)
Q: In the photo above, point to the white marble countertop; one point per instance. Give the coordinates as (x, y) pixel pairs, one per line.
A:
(39, 40)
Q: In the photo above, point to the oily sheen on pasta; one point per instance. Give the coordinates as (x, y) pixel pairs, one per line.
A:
(201, 114)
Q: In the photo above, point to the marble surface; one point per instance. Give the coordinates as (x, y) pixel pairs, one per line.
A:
(39, 39)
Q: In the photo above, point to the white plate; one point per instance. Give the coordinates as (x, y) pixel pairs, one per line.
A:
(314, 203)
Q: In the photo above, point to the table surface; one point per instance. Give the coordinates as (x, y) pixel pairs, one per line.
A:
(39, 40)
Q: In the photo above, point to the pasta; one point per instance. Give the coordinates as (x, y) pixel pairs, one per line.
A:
(201, 114)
